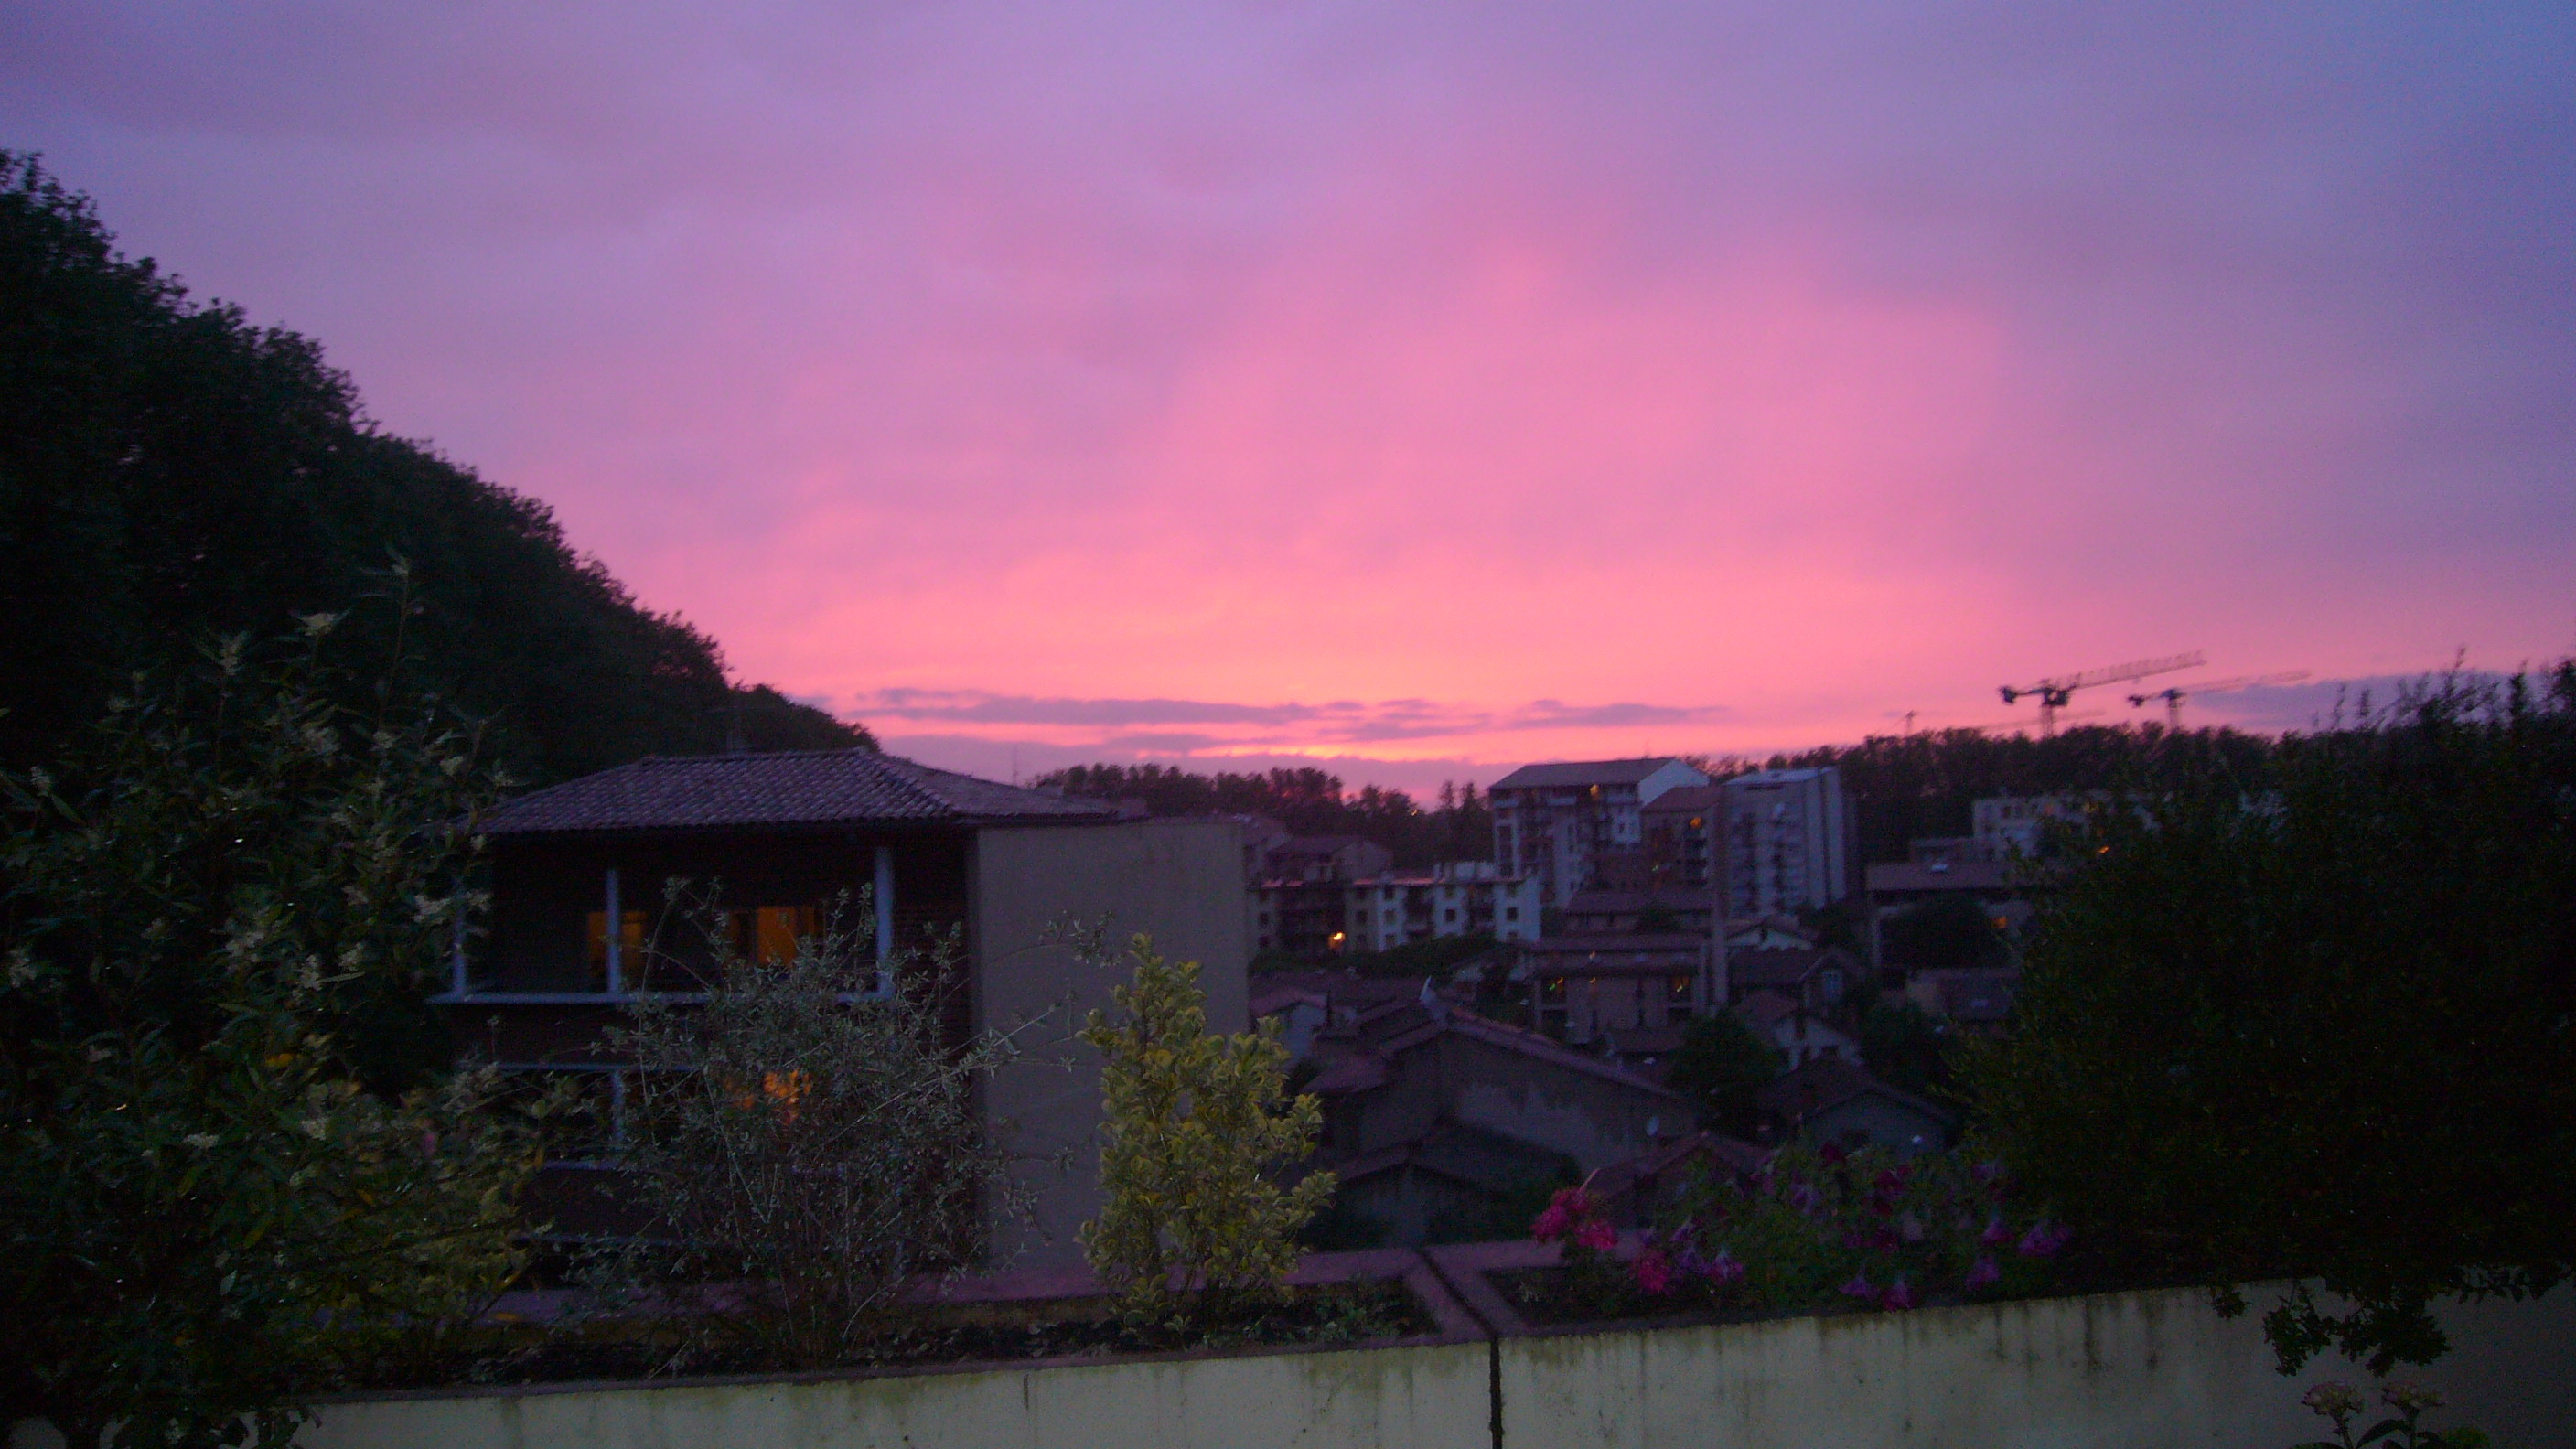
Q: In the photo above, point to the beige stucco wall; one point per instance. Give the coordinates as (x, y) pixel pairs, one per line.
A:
(1180, 882)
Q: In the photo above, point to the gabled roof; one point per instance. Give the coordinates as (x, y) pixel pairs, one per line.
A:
(1826, 1082)
(1685, 799)
(1576, 774)
(1765, 1008)
(782, 788)
(1346, 1074)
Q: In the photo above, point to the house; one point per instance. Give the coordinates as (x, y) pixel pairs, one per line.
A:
(1582, 986)
(1832, 1100)
(1813, 977)
(1570, 824)
(580, 929)
(1800, 1035)
(1619, 913)
(1973, 1001)
(1433, 1113)
(1636, 1192)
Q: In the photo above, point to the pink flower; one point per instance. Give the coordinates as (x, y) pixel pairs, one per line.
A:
(1898, 1298)
(1860, 1287)
(1985, 1274)
(1654, 1272)
(1725, 1268)
(1805, 1199)
(1996, 1234)
(1597, 1235)
(1551, 1224)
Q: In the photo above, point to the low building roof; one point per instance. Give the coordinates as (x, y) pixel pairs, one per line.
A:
(1765, 1008)
(1684, 799)
(1347, 1072)
(787, 788)
(1608, 902)
(1958, 875)
(1575, 774)
(1828, 1082)
(1787, 966)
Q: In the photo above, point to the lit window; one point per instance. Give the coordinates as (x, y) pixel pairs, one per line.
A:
(630, 942)
(768, 935)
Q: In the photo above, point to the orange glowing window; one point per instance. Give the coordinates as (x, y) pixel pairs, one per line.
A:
(768, 935)
(630, 941)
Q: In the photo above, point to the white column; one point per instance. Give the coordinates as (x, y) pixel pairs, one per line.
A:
(616, 938)
(885, 917)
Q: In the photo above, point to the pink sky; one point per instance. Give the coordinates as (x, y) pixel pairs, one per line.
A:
(1430, 388)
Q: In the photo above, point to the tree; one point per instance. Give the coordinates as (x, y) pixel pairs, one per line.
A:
(810, 1144)
(170, 473)
(2312, 1021)
(1903, 1047)
(1948, 932)
(1191, 1123)
(229, 1178)
(1721, 1064)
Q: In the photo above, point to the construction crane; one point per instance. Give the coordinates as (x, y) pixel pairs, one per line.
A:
(2054, 693)
(2174, 697)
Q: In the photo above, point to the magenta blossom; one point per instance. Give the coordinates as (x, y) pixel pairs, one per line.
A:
(1805, 1199)
(1860, 1287)
(1898, 1297)
(1566, 1213)
(1725, 1268)
(1654, 1272)
(1833, 1152)
(1985, 1274)
(1596, 1234)
(1996, 1234)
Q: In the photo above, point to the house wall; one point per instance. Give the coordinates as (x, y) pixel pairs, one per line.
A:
(1180, 881)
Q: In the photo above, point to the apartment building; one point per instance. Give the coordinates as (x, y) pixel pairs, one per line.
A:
(1579, 825)
(1378, 912)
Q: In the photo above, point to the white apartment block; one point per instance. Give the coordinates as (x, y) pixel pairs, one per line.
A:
(1556, 823)
(1381, 912)
(1787, 842)
(2007, 826)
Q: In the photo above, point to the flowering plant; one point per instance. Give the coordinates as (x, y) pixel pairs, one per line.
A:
(2342, 1403)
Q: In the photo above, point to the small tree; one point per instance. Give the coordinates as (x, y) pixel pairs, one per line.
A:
(810, 1145)
(1721, 1064)
(219, 919)
(1191, 1123)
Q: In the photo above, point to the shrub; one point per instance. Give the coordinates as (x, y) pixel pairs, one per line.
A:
(806, 1147)
(221, 921)
(1191, 1124)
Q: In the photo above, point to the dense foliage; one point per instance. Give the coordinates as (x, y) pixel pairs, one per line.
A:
(2318, 1018)
(229, 1177)
(1308, 802)
(1193, 1126)
(808, 1142)
(170, 472)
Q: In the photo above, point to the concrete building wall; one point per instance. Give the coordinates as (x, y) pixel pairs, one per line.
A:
(1180, 881)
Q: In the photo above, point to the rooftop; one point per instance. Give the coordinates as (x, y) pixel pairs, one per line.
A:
(778, 789)
(1579, 773)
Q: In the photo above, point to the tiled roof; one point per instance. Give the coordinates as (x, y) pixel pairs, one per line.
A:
(1826, 1082)
(786, 788)
(1964, 875)
(1578, 773)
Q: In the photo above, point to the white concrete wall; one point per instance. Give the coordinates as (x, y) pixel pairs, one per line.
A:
(2151, 1370)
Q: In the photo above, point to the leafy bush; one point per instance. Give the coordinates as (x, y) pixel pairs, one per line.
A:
(2312, 1022)
(1192, 1122)
(1721, 1066)
(221, 918)
(806, 1148)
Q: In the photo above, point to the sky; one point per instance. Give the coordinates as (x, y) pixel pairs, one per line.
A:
(1425, 389)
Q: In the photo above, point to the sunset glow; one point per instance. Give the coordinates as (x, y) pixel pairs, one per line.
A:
(1426, 389)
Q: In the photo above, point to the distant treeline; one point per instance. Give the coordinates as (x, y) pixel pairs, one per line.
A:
(170, 473)
(1907, 786)
(1912, 786)
(1308, 802)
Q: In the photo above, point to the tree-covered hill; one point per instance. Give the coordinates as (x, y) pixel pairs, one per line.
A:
(170, 473)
